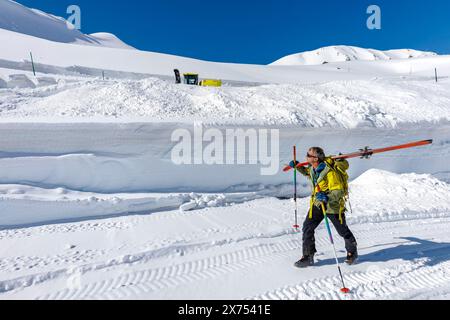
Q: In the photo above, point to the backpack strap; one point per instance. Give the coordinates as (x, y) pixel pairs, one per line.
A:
(341, 212)
(313, 197)
(315, 184)
(311, 208)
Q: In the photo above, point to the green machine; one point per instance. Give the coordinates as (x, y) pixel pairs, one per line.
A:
(191, 79)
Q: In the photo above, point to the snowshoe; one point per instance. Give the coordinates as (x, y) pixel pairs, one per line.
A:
(305, 262)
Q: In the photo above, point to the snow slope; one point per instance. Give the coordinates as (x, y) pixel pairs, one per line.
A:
(348, 53)
(338, 104)
(16, 53)
(228, 252)
(109, 40)
(18, 18)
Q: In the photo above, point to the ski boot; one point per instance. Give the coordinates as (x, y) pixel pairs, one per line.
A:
(351, 258)
(305, 262)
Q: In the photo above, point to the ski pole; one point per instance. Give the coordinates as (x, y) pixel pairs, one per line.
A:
(344, 288)
(296, 226)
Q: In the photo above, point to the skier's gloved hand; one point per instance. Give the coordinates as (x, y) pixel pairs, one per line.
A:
(322, 197)
(294, 164)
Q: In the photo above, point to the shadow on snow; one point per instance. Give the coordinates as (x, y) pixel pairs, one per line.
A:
(410, 250)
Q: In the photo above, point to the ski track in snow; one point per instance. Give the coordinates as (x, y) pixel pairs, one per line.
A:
(381, 284)
(200, 259)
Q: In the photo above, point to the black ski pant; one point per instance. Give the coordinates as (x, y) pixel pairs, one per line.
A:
(310, 226)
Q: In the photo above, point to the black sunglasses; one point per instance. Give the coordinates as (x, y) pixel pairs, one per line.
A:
(310, 156)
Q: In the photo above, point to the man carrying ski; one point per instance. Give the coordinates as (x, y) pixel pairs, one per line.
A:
(329, 182)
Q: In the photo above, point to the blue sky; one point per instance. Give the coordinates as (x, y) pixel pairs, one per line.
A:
(251, 31)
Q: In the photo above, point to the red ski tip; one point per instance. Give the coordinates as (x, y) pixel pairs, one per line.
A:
(345, 290)
(297, 227)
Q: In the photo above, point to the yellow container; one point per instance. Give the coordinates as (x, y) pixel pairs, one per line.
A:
(211, 83)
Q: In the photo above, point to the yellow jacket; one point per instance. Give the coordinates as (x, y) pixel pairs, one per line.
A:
(332, 180)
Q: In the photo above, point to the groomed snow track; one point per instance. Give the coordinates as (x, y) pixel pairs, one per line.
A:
(221, 256)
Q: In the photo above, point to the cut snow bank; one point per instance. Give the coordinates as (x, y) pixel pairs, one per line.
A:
(20, 81)
(137, 157)
(376, 196)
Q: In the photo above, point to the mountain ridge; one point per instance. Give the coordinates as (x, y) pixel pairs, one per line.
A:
(33, 22)
(344, 53)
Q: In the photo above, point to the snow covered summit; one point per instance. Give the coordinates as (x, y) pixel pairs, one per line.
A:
(348, 53)
(18, 18)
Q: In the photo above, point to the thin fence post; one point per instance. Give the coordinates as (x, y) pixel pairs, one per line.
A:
(32, 63)
(435, 74)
